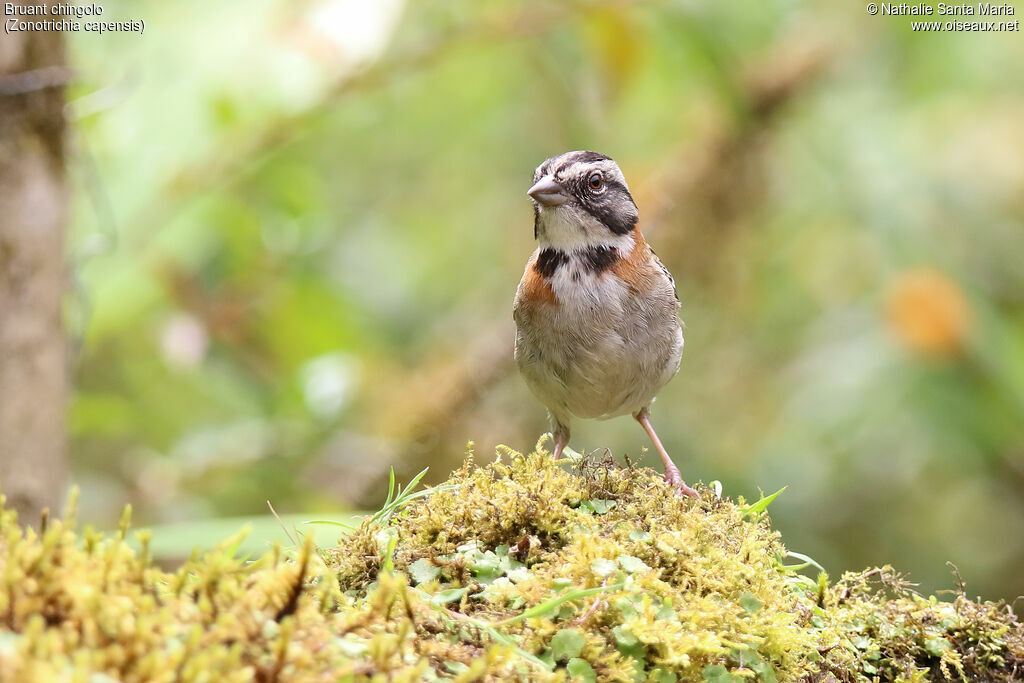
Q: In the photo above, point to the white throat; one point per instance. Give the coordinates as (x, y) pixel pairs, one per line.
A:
(568, 231)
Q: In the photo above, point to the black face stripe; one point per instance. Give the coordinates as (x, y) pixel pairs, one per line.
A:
(612, 218)
(614, 185)
(612, 189)
(549, 260)
(614, 207)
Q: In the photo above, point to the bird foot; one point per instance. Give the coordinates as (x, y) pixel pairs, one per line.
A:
(673, 477)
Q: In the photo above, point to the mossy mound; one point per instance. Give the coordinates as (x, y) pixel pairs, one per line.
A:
(524, 569)
(673, 587)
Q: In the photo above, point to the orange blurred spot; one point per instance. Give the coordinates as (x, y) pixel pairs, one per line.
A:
(928, 312)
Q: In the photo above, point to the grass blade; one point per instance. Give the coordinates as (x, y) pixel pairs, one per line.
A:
(554, 603)
(329, 522)
(807, 561)
(761, 505)
(278, 517)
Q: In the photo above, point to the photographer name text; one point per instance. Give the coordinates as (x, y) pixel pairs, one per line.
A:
(982, 9)
(943, 17)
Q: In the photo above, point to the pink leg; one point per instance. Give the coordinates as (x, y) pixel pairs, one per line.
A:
(561, 438)
(672, 475)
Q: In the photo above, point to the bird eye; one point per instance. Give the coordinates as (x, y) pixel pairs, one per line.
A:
(595, 181)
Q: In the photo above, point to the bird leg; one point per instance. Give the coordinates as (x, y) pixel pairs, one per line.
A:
(672, 475)
(561, 438)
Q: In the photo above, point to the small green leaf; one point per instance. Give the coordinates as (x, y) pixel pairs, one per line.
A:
(750, 604)
(624, 637)
(467, 548)
(487, 567)
(626, 607)
(639, 536)
(716, 673)
(508, 564)
(632, 564)
(639, 665)
(765, 670)
(661, 675)
(518, 574)
(569, 453)
(936, 646)
(450, 595)
(567, 643)
(581, 669)
(602, 567)
(423, 570)
(861, 642)
(455, 667)
(628, 644)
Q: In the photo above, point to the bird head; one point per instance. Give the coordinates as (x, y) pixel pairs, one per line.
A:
(580, 199)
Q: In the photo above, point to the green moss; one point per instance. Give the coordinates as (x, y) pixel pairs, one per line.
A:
(72, 607)
(872, 625)
(685, 586)
(524, 569)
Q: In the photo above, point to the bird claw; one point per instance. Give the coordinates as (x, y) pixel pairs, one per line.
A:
(673, 477)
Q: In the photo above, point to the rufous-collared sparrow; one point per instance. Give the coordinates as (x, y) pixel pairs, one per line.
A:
(597, 316)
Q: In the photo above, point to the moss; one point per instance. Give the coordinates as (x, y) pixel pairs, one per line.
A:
(72, 606)
(685, 586)
(873, 625)
(524, 569)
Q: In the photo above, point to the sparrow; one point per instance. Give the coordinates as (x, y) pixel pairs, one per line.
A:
(598, 332)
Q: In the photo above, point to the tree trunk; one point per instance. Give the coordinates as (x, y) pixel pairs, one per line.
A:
(33, 212)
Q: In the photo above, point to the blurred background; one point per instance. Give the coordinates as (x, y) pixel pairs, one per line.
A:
(296, 229)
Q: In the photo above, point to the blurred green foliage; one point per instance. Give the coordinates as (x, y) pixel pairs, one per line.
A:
(298, 228)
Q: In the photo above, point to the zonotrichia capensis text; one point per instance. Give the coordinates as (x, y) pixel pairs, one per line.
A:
(597, 316)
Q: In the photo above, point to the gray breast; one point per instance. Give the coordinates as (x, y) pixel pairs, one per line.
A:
(602, 350)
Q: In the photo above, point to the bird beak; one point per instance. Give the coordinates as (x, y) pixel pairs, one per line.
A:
(547, 192)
